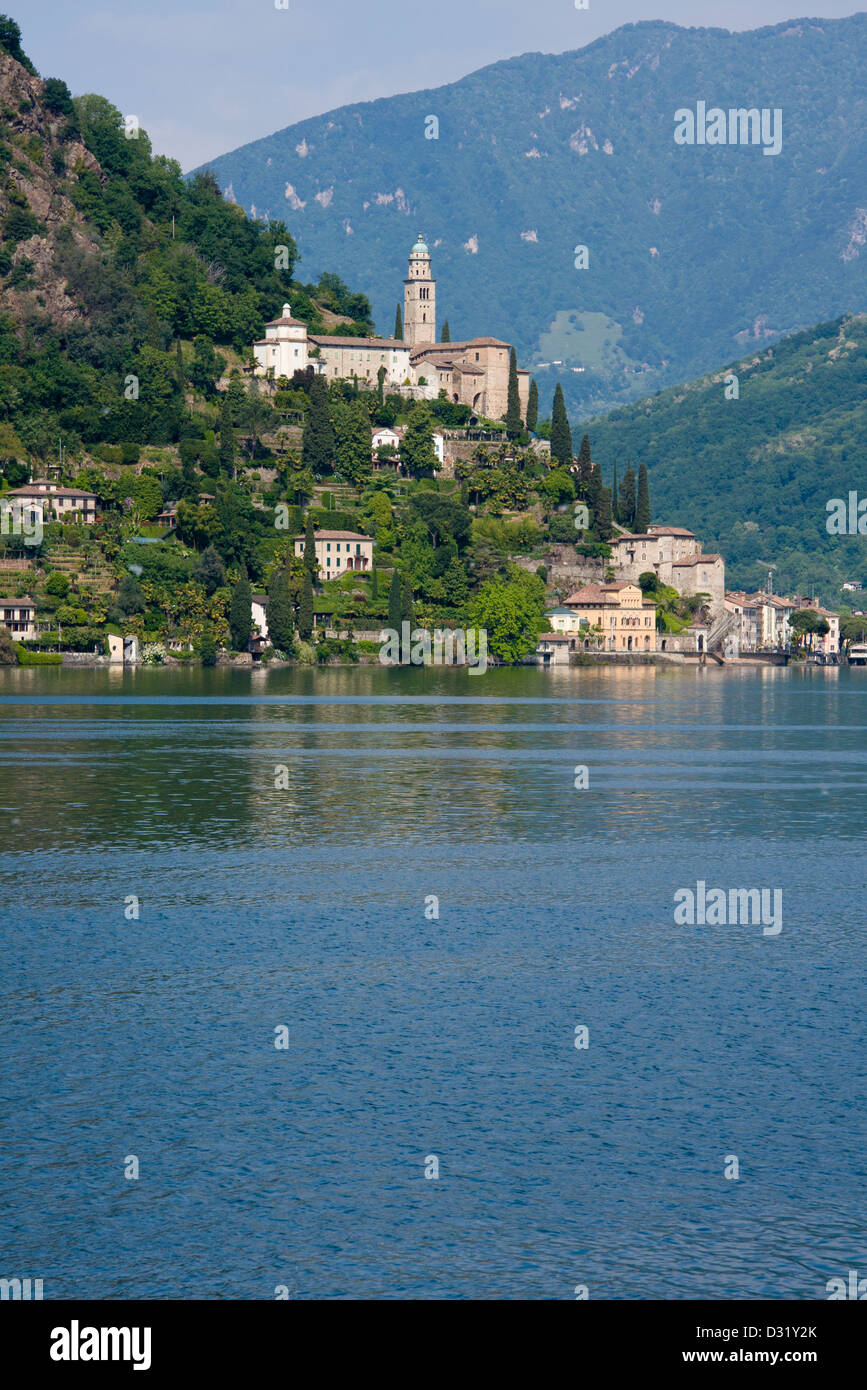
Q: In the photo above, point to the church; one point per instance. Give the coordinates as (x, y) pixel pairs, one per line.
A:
(473, 373)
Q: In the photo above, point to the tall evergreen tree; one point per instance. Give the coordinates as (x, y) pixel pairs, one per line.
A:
(514, 423)
(227, 437)
(585, 464)
(642, 505)
(374, 581)
(394, 602)
(380, 378)
(317, 441)
(352, 437)
(280, 617)
(561, 435)
(446, 333)
(593, 490)
(533, 406)
(398, 324)
(615, 496)
(309, 546)
(604, 526)
(627, 498)
(417, 453)
(305, 608)
(241, 614)
(180, 375)
(406, 599)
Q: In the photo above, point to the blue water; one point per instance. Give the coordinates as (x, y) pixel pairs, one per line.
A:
(410, 1036)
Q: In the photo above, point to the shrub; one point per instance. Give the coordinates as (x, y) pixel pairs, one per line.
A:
(27, 658)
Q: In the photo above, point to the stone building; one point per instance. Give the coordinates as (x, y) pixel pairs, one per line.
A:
(675, 556)
(419, 298)
(474, 372)
(288, 347)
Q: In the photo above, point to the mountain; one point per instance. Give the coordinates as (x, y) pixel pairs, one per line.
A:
(751, 474)
(118, 277)
(695, 251)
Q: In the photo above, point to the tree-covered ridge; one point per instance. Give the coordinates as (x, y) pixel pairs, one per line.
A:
(749, 457)
(118, 277)
(694, 252)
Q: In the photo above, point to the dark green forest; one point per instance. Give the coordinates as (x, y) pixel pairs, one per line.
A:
(752, 475)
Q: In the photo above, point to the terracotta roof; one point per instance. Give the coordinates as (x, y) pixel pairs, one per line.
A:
(338, 536)
(556, 636)
(321, 340)
(670, 531)
(58, 490)
(296, 323)
(17, 603)
(696, 560)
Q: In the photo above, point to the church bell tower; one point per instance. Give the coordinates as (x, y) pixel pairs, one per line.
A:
(419, 298)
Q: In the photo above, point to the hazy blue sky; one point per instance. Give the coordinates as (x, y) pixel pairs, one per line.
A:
(204, 76)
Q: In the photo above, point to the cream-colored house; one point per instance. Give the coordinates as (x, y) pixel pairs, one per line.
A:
(19, 615)
(57, 502)
(339, 551)
(626, 619)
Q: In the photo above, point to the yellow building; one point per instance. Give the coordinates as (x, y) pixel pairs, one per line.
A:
(339, 551)
(625, 621)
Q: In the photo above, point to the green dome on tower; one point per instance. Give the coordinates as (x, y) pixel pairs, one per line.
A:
(420, 249)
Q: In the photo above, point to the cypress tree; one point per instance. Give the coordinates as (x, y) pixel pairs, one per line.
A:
(514, 423)
(627, 498)
(604, 527)
(180, 375)
(561, 435)
(585, 464)
(280, 617)
(309, 546)
(380, 378)
(447, 333)
(406, 600)
(394, 605)
(374, 582)
(642, 505)
(305, 608)
(227, 437)
(533, 406)
(241, 614)
(317, 441)
(398, 324)
(593, 491)
(615, 496)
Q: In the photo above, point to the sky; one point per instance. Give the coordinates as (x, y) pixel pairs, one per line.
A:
(205, 76)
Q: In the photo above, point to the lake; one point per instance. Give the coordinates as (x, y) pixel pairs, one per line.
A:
(293, 939)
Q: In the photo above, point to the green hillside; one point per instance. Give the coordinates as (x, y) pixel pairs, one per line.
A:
(696, 252)
(752, 476)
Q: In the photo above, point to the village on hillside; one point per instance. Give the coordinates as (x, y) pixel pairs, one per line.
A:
(335, 485)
